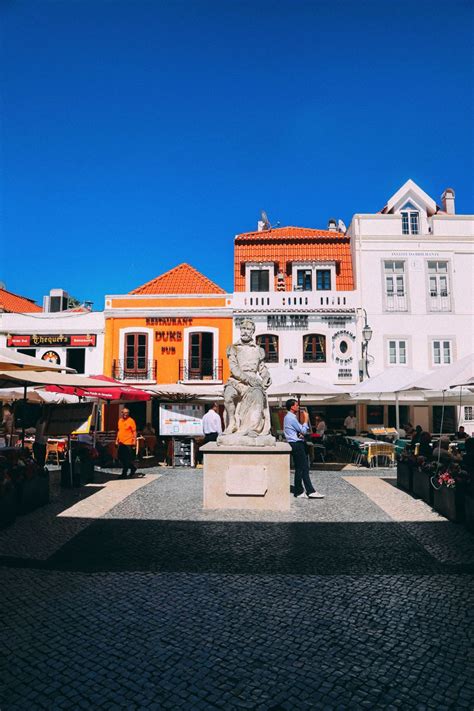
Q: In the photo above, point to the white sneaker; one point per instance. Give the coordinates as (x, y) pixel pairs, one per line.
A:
(304, 495)
(315, 495)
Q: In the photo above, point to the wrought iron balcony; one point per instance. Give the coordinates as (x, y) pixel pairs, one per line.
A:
(143, 370)
(204, 369)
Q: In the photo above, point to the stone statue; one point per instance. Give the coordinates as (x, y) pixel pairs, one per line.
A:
(245, 398)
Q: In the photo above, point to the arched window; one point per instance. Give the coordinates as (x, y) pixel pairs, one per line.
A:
(269, 343)
(314, 348)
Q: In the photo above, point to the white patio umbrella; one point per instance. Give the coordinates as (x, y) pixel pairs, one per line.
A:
(461, 372)
(304, 387)
(391, 381)
(36, 395)
(12, 360)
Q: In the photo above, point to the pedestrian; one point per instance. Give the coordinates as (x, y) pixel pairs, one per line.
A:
(350, 424)
(211, 424)
(126, 441)
(294, 434)
(41, 442)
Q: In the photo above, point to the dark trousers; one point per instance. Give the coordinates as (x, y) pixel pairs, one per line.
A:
(209, 437)
(300, 460)
(39, 453)
(126, 455)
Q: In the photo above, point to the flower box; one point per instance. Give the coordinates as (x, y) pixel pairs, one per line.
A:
(422, 488)
(449, 502)
(405, 476)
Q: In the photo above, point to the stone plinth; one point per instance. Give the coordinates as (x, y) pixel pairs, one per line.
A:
(246, 477)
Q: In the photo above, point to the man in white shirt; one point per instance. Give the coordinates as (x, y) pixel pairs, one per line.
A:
(350, 424)
(211, 424)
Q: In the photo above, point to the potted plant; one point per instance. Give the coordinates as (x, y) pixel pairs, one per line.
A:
(422, 474)
(449, 492)
(405, 466)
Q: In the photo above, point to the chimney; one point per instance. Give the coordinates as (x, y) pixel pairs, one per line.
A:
(332, 225)
(448, 201)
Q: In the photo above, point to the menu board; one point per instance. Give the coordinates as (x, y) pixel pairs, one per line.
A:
(181, 419)
(66, 419)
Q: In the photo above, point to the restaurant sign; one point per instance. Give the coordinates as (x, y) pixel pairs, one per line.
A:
(71, 341)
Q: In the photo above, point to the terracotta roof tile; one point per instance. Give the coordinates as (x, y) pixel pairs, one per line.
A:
(12, 303)
(288, 232)
(285, 245)
(183, 279)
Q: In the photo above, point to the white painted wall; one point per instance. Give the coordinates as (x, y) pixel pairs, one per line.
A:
(59, 323)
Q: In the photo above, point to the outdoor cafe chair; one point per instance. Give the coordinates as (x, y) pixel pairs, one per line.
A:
(377, 450)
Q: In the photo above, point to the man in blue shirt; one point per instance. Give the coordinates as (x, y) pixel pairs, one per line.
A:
(294, 434)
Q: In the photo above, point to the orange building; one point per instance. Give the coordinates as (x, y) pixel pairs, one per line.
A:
(174, 328)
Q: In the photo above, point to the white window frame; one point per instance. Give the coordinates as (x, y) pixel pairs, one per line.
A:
(314, 267)
(398, 348)
(397, 300)
(410, 213)
(151, 350)
(260, 266)
(468, 413)
(215, 343)
(442, 340)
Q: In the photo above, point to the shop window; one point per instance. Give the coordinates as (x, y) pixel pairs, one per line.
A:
(314, 348)
(375, 415)
(76, 358)
(136, 353)
(269, 343)
(27, 351)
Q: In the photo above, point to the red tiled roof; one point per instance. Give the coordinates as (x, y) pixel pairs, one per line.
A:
(12, 303)
(285, 245)
(278, 233)
(183, 279)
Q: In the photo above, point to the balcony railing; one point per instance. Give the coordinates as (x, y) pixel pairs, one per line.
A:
(439, 302)
(396, 302)
(292, 300)
(204, 369)
(146, 371)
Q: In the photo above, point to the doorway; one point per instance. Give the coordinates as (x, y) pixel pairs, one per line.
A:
(201, 351)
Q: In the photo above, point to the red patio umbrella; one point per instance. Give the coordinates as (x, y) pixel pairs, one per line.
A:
(125, 393)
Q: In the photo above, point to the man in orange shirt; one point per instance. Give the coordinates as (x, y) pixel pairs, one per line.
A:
(126, 441)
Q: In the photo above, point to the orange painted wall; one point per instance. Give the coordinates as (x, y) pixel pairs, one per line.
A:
(167, 364)
(155, 302)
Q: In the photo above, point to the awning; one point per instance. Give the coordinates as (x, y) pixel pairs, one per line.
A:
(12, 360)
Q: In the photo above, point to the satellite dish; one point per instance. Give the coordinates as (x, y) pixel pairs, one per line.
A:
(3, 285)
(265, 220)
(341, 226)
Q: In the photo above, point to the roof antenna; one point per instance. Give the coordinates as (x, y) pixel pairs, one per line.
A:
(265, 223)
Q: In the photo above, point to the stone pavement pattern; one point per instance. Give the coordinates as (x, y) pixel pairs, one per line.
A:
(157, 604)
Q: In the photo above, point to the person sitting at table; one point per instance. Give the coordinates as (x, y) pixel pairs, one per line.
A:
(409, 429)
(7, 426)
(461, 433)
(148, 429)
(425, 450)
(320, 425)
(350, 424)
(416, 435)
(442, 454)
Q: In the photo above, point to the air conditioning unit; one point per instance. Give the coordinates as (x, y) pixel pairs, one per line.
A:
(57, 300)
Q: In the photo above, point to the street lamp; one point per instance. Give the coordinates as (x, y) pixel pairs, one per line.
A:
(366, 335)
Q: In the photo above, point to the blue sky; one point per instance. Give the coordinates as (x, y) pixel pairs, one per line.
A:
(138, 135)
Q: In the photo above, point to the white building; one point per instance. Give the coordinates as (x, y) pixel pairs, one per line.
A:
(71, 338)
(414, 271)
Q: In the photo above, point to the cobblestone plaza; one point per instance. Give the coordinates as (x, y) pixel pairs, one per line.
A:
(126, 594)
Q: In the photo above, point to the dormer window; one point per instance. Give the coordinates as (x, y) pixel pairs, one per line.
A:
(410, 220)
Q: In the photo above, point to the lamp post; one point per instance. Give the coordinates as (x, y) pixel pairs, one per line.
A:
(366, 335)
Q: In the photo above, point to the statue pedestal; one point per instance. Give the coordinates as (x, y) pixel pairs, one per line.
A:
(246, 477)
